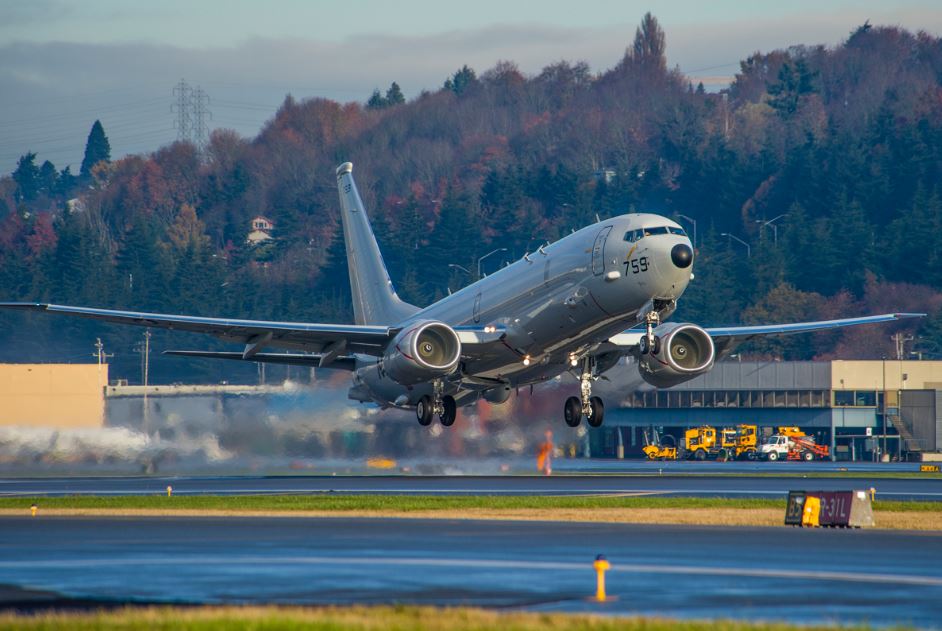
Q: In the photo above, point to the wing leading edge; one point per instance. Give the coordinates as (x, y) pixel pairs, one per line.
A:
(727, 338)
(255, 334)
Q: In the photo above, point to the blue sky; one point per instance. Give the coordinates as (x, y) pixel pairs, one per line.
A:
(63, 64)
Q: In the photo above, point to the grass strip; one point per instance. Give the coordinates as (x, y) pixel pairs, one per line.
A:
(402, 618)
(412, 503)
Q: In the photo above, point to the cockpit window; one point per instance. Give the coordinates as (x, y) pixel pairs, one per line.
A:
(636, 235)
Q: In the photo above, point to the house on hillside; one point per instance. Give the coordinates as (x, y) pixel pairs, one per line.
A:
(262, 228)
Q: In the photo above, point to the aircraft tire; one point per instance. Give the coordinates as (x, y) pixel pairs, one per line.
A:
(451, 411)
(572, 412)
(598, 412)
(423, 410)
(657, 345)
(643, 345)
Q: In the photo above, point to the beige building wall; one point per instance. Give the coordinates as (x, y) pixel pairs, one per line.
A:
(886, 376)
(61, 396)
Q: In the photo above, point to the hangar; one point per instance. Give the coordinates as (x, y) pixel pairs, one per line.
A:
(865, 410)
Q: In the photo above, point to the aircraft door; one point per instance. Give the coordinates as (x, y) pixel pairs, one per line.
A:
(598, 251)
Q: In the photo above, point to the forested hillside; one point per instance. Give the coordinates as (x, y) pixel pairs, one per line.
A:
(826, 162)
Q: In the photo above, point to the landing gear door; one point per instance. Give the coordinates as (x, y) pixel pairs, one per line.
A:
(598, 251)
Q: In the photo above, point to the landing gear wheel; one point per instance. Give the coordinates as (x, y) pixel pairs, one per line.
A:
(643, 345)
(423, 410)
(572, 412)
(657, 345)
(598, 412)
(449, 411)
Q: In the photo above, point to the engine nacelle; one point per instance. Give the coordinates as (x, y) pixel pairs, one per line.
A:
(422, 352)
(685, 351)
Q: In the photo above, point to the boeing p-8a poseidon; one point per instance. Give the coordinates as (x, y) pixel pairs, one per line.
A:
(577, 305)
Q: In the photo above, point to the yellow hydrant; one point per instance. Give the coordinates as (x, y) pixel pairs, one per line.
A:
(169, 490)
(33, 509)
(600, 565)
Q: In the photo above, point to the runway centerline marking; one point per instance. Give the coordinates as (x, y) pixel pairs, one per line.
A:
(459, 563)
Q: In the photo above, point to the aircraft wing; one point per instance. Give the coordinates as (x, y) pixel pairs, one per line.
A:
(729, 337)
(329, 340)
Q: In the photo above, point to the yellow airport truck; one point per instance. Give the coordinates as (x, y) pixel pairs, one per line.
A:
(729, 443)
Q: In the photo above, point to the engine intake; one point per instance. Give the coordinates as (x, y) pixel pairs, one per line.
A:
(422, 352)
(686, 351)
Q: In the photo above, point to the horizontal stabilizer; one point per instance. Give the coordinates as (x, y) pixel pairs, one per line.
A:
(295, 359)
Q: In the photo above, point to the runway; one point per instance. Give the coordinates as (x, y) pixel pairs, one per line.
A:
(700, 485)
(806, 576)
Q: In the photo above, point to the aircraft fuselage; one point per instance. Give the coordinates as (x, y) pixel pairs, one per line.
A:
(556, 303)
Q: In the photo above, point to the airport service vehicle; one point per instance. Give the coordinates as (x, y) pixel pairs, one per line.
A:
(578, 306)
(655, 449)
(792, 444)
(706, 442)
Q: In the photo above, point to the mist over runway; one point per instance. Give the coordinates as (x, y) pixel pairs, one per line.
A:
(749, 573)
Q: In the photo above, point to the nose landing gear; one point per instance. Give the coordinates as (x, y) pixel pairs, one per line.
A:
(650, 343)
(585, 405)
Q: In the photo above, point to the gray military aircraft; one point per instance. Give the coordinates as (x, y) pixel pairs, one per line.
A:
(577, 305)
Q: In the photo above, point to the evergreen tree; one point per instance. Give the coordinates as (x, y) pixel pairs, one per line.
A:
(26, 177)
(394, 95)
(97, 149)
(48, 179)
(461, 81)
(67, 182)
(376, 101)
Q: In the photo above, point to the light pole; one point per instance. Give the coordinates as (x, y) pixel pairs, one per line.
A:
(694, 222)
(771, 224)
(487, 255)
(732, 236)
(461, 267)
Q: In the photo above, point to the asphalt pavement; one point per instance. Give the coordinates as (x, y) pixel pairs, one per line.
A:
(805, 576)
(699, 485)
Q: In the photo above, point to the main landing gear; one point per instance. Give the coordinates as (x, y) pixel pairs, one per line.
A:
(444, 406)
(585, 405)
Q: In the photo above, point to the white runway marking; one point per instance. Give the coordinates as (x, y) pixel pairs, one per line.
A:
(418, 491)
(459, 563)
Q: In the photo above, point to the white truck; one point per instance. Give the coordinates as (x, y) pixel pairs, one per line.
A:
(792, 447)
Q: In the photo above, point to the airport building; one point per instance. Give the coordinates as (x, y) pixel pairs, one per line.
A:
(862, 409)
(62, 396)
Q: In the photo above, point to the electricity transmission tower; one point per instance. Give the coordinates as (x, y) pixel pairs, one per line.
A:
(200, 101)
(191, 107)
(182, 107)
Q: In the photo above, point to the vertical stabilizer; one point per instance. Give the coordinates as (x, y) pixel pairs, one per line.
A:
(374, 298)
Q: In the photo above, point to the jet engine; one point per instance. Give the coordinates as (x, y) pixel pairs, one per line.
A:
(683, 352)
(421, 352)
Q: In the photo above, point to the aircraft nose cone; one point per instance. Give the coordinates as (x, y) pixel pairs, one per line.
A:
(682, 255)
